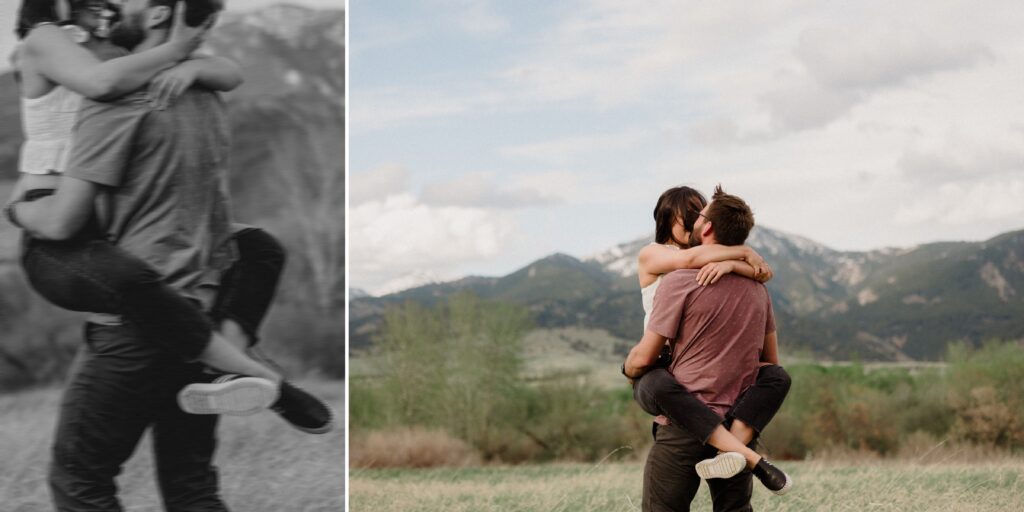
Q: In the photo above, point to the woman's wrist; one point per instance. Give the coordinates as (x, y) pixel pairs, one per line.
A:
(181, 50)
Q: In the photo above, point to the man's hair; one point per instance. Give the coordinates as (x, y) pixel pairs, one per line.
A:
(196, 11)
(730, 218)
(682, 203)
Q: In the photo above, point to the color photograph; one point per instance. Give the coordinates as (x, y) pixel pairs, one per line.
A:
(619, 256)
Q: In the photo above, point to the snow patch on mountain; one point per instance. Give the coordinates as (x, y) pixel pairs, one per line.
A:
(408, 281)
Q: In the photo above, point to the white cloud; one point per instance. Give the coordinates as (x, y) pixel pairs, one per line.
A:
(988, 207)
(567, 149)
(378, 184)
(839, 68)
(483, 190)
(960, 161)
(387, 107)
(869, 57)
(477, 17)
(392, 237)
(803, 105)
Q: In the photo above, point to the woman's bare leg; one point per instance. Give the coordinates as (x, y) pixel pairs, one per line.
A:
(224, 356)
(742, 431)
(235, 334)
(726, 442)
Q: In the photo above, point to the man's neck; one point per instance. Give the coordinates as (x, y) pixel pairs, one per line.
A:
(153, 39)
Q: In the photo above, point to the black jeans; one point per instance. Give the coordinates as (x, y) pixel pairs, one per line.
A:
(658, 392)
(671, 482)
(88, 273)
(123, 386)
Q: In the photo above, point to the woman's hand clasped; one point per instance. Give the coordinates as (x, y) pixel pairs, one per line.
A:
(171, 83)
(712, 272)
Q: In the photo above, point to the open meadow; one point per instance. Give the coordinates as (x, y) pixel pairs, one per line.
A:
(265, 465)
(833, 486)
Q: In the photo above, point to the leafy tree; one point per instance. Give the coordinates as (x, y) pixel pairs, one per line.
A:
(454, 365)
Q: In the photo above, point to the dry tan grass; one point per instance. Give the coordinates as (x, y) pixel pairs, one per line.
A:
(819, 486)
(265, 465)
(410, 448)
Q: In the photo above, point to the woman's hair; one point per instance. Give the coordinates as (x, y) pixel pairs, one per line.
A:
(34, 12)
(676, 204)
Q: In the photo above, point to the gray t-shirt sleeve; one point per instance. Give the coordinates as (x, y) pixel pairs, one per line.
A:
(102, 142)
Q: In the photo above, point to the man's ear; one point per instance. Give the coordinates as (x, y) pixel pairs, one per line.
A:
(158, 15)
(706, 229)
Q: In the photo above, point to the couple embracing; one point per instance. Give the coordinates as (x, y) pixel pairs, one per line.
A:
(707, 366)
(123, 199)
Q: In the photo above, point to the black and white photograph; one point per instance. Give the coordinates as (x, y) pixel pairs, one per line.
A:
(172, 255)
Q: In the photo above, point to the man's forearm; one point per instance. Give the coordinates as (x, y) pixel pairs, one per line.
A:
(631, 368)
(643, 354)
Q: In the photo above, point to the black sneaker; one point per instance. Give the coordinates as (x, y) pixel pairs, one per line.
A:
(234, 395)
(303, 410)
(772, 477)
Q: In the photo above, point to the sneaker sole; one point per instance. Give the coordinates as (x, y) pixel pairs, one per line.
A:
(725, 465)
(239, 397)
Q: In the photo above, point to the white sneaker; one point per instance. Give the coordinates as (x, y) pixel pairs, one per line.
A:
(234, 395)
(724, 465)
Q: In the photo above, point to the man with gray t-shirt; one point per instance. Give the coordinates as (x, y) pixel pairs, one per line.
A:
(160, 177)
(719, 334)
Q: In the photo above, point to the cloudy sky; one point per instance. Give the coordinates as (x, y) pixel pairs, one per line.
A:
(487, 134)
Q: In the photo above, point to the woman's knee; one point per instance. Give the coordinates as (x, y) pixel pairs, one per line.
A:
(129, 275)
(658, 382)
(255, 244)
(776, 376)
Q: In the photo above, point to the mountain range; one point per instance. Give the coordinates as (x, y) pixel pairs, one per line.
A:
(886, 305)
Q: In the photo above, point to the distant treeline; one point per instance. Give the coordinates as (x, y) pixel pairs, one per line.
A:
(448, 376)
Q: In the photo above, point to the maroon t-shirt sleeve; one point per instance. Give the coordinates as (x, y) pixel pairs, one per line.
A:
(668, 302)
(769, 326)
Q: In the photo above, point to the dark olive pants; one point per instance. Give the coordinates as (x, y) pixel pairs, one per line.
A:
(671, 482)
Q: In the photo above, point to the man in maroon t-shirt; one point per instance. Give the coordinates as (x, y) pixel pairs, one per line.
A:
(720, 333)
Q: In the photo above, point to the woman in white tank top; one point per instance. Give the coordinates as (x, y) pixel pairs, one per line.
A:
(58, 63)
(675, 214)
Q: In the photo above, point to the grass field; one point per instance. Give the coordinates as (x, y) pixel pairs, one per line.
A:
(819, 486)
(265, 465)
